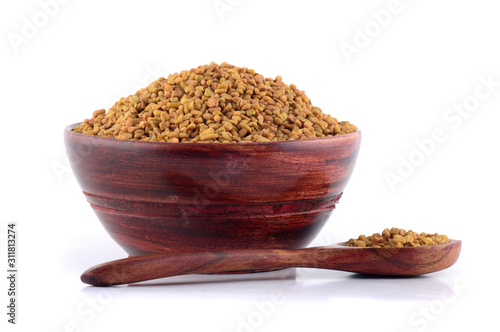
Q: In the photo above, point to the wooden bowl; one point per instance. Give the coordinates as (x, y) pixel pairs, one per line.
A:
(158, 197)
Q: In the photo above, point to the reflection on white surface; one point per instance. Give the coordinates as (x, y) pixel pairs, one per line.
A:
(295, 284)
(259, 301)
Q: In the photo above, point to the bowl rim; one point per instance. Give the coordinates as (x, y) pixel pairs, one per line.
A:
(69, 129)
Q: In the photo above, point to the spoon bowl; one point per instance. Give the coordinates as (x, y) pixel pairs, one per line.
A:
(401, 262)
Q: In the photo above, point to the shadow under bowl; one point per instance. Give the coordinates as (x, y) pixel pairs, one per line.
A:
(159, 197)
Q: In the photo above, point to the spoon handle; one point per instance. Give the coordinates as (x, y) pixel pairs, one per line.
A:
(153, 266)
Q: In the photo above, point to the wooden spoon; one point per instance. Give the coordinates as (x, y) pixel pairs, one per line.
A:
(406, 261)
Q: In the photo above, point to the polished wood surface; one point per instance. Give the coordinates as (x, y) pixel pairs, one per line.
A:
(406, 261)
(171, 197)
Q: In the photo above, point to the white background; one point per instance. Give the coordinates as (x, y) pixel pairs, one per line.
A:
(399, 87)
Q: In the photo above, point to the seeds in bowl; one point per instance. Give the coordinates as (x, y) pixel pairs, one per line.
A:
(215, 104)
(397, 237)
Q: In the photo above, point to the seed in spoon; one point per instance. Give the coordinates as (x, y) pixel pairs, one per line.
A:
(398, 237)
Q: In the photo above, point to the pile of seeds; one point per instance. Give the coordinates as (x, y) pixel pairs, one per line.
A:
(214, 103)
(397, 237)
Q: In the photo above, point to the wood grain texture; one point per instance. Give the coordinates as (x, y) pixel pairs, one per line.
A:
(171, 197)
(407, 261)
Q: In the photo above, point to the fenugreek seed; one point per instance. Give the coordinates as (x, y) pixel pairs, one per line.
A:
(398, 237)
(220, 130)
(164, 116)
(260, 119)
(268, 118)
(408, 238)
(209, 137)
(129, 122)
(178, 119)
(208, 131)
(213, 101)
(262, 109)
(209, 92)
(98, 112)
(242, 132)
(154, 123)
(184, 124)
(428, 240)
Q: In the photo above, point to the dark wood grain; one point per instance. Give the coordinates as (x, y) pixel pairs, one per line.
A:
(171, 197)
(407, 261)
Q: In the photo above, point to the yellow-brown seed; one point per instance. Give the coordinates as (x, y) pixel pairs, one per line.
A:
(398, 237)
(239, 104)
(98, 112)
